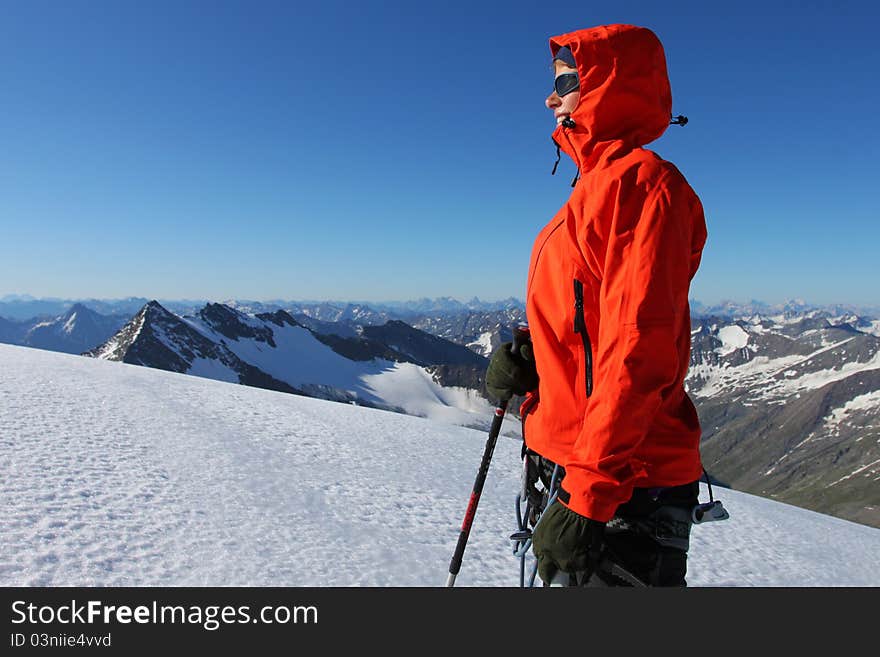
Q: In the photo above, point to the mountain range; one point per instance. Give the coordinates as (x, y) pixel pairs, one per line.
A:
(23, 307)
(789, 400)
(76, 330)
(393, 367)
(790, 408)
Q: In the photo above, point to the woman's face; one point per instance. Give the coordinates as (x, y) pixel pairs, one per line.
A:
(563, 106)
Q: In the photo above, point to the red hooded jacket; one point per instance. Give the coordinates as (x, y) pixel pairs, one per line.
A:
(607, 292)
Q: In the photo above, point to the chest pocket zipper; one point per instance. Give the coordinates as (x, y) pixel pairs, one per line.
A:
(580, 326)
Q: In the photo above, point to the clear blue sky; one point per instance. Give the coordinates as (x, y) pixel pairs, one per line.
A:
(394, 150)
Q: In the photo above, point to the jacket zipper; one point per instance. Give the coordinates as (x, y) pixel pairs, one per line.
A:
(580, 326)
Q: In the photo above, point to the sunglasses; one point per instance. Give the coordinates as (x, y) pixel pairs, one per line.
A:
(566, 83)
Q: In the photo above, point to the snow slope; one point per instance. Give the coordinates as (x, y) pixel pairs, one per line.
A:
(118, 475)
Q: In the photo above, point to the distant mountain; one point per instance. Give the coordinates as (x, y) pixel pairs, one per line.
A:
(122, 307)
(331, 312)
(394, 367)
(344, 329)
(158, 338)
(377, 313)
(421, 347)
(447, 306)
(790, 408)
(254, 307)
(23, 308)
(790, 308)
(76, 330)
(12, 332)
(480, 331)
(480, 326)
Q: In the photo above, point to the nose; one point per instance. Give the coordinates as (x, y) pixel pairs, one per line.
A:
(553, 100)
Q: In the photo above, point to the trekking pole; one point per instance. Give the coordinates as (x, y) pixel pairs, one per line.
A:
(520, 337)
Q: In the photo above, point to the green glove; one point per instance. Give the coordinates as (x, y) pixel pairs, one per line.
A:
(510, 373)
(566, 541)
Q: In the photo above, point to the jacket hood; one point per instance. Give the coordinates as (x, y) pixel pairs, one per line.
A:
(624, 89)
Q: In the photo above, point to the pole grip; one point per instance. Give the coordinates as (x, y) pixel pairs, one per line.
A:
(521, 336)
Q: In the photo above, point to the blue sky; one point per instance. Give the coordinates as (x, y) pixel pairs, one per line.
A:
(385, 150)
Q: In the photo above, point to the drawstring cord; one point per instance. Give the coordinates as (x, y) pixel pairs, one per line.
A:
(568, 123)
(577, 176)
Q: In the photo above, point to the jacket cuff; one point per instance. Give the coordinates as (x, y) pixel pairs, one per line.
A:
(586, 506)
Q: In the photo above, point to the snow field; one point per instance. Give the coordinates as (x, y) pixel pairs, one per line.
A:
(118, 475)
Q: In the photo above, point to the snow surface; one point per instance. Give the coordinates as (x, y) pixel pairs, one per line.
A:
(865, 402)
(211, 368)
(483, 344)
(70, 325)
(873, 470)
(732, 337)
(814, 380)
(718, 380)
(119, 475)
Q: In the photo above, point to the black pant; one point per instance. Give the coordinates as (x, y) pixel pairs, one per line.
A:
(647, 540)
(648, 537)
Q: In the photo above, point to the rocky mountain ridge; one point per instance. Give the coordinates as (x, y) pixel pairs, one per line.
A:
(790, 408)
(394, 367)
